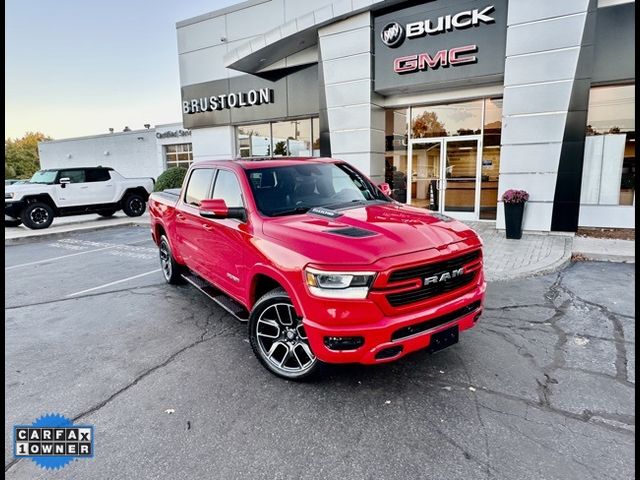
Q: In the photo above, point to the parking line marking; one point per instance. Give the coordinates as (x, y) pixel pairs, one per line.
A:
(69, 255)
(56, 258)
(113, 283)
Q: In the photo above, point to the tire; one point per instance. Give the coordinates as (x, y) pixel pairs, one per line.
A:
(171, 270)
(275, 311)
(37, 215)
(134, 205)
(107, 213)
(12, 222)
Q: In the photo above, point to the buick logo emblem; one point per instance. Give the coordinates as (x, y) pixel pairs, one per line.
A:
(392, 35)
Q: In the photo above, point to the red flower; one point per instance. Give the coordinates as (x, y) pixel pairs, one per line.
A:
(515, 196)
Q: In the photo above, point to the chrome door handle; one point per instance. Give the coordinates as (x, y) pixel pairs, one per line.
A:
(86, 186)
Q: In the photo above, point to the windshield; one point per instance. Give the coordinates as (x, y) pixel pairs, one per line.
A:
(298, 188)
(44, 176)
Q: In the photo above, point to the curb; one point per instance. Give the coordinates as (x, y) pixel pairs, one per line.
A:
(605, 257)
(62, 233)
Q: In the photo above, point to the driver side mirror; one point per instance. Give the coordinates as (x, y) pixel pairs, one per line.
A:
(64, 181)
(385, 188)
(217, 208)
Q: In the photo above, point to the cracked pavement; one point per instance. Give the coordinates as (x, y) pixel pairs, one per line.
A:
(542, 387)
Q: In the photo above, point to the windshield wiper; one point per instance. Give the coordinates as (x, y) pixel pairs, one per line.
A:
(291, 211)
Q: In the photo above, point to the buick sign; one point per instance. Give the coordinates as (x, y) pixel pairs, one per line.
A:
(392, 35)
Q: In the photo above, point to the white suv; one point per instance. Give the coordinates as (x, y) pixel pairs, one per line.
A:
(74, 191)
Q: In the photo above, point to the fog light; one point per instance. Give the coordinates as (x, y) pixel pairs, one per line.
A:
(343, 343)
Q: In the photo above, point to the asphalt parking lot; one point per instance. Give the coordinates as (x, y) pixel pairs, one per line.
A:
(542, 387)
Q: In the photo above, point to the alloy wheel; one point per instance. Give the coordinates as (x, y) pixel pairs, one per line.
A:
(165, 260)
(283, 341)
(39, 215)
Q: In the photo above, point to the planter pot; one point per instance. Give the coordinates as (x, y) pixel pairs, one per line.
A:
(513, 213)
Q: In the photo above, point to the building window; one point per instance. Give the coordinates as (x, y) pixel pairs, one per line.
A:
(178, 155)
(449, 120)
(609, 168)
(289, 138)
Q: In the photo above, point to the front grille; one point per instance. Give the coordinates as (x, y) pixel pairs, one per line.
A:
(434, 322)
(432, 290)
(434, 268)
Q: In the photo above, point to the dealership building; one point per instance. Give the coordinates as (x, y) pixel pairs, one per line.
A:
(451, 102)
(133, 153)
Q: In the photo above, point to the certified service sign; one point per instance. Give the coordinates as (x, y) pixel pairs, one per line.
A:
(52, 441)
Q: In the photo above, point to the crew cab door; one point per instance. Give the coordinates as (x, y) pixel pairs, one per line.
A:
(101, 186)
(188, 239)
(73, 193)
(223, 240)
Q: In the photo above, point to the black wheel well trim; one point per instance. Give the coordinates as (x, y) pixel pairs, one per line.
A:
(135, 191)
(43, 198)
(160, 231)
(261, 284)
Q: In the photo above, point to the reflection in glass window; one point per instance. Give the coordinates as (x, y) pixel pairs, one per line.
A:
(292, 139)
(315, 141)
(395, 155)
(254, 140)
(490, 158)
(178, 155)
(609, 169)
(227, 188)
(447, 120)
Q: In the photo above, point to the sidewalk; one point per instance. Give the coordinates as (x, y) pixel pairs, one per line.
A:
(533, 254)
(63, 225)
(607, 250)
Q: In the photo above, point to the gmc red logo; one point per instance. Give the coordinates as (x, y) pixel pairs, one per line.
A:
(443, 58)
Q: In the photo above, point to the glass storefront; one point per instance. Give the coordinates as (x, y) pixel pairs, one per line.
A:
(609, 169)
(291, 138)
(447, 157)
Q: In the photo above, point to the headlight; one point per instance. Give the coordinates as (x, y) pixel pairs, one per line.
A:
(9, 195)
(353, 285)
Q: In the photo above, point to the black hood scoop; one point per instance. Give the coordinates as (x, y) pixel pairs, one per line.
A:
(353, 232)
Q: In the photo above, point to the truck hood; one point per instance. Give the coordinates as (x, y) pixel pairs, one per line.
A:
(363, 235)
(26, 188)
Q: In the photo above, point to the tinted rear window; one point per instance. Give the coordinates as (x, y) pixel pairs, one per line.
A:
(199, 186)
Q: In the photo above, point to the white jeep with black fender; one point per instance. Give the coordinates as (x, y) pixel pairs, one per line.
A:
(74, 191)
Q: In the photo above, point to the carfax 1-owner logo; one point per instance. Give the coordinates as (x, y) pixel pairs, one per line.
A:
(52, 441)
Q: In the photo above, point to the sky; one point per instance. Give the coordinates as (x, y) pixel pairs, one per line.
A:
(79, 67)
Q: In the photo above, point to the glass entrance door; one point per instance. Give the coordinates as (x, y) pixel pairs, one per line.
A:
(425, 174)
(460, 178)
(443, 175)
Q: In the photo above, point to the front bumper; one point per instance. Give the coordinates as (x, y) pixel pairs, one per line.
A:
(12, 208)
(395, 331)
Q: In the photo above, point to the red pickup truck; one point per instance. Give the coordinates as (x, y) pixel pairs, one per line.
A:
(323, 265)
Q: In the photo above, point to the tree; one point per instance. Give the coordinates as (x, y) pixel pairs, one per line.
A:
(280, 148)
(427, 125)
(170, 178)
(21, 158)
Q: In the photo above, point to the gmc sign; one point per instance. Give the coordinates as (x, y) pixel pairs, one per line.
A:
(443, 58)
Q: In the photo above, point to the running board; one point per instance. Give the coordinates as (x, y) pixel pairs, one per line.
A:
(223, 300)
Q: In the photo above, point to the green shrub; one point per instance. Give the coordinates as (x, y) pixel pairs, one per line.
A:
(170, 178)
